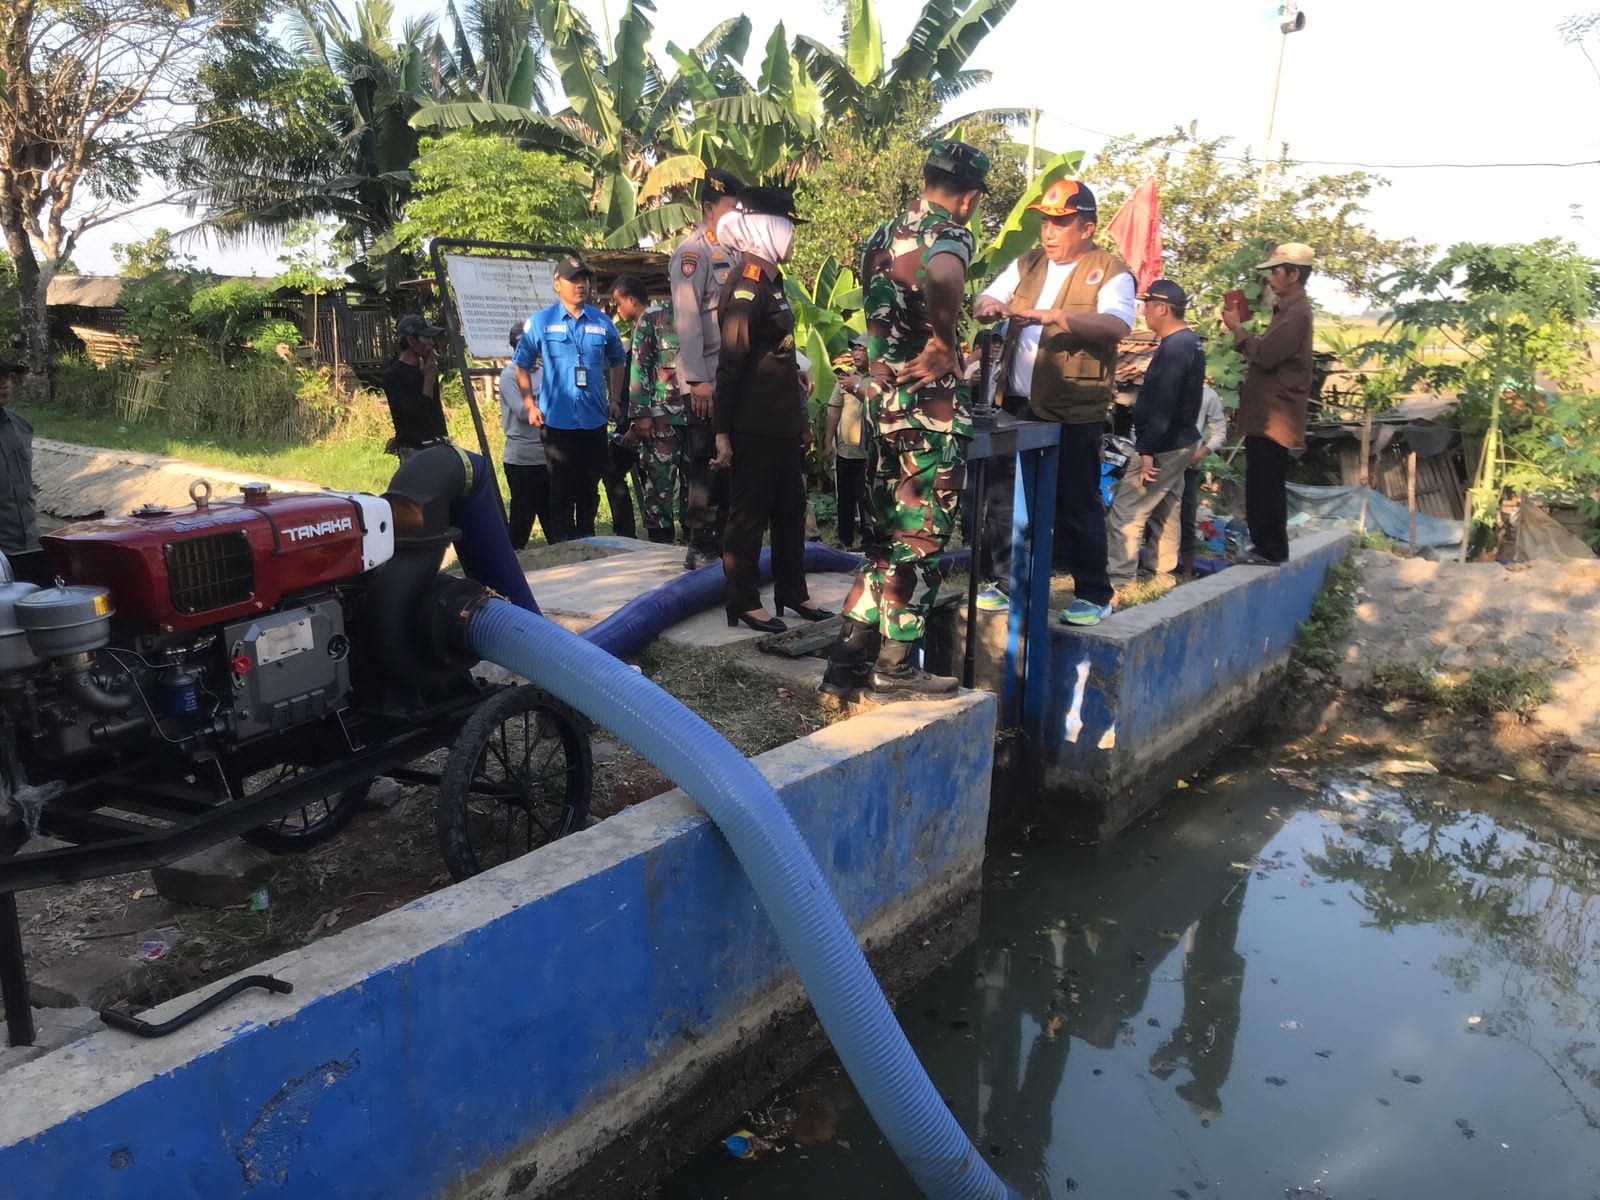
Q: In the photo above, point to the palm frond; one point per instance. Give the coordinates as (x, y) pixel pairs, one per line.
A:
(947, 88)
(658, 224)
(728, 41)
(918, 56)
(840, 91)
(964, 38)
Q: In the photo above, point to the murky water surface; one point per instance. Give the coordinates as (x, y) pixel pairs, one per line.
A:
(1306, 984)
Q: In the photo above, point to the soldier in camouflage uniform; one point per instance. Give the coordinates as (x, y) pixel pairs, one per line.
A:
(914, 274)
(658, 409)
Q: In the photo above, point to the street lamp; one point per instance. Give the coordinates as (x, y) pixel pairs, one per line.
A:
(1293, 22)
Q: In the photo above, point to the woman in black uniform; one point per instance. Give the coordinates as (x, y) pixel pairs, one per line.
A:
(759, 415)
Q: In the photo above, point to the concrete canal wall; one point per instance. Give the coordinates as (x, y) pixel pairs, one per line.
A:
(565, 1025)
(1137, 702)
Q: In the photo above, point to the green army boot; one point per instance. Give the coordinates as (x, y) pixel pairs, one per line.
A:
(894, 678)
(849, 671)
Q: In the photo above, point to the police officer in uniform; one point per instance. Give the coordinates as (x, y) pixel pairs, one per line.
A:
(699, 268)
(760, 415)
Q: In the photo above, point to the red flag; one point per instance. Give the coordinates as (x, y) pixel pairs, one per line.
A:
(1136, 229)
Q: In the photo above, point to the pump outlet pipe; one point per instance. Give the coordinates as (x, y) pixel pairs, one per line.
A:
(744, 806)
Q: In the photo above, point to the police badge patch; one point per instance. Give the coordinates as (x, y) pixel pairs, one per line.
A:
(689, 264)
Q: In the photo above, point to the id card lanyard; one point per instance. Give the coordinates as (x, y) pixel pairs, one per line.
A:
(580, 370)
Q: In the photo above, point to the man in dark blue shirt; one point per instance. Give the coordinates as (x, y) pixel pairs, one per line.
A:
(581, 388)
(1165, 417)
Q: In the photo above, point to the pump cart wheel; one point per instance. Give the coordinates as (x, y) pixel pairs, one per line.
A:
(519, 776)
(309, 825)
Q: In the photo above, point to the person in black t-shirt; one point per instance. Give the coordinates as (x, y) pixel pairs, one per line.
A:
(411, 385)
(1165, 418)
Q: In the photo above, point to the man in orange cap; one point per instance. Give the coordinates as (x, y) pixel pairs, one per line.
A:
(1274, 398)
(1068, 303)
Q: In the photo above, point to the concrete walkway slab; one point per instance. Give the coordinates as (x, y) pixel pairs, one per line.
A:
(582, 594)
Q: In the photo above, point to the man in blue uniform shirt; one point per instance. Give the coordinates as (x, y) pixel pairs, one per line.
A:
(581, 389)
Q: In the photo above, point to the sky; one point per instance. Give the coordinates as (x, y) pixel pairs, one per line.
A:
(1366, 82)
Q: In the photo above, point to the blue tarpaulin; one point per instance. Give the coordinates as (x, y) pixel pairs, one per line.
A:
(1388, 516)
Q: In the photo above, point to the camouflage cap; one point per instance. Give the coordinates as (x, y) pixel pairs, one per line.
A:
(968, 164)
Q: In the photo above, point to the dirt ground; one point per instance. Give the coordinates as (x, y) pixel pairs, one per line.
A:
(1487, 670)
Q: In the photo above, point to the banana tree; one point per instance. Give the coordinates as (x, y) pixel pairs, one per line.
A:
(857, 87)
(625, 118)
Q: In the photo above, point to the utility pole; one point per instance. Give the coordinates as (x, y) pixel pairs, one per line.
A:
(1293, 21)
(1033, 142)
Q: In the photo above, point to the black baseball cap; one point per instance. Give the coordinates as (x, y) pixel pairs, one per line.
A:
(770, 201)
(717, 184)
(968, 165)
(1166, 292)
(416, 325)
(572, 267)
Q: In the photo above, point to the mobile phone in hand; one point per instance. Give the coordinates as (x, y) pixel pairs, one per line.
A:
(1236, 304)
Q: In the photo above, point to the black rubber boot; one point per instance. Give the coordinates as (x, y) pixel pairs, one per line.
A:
(893, 676)
(850, 658)
(662, 537)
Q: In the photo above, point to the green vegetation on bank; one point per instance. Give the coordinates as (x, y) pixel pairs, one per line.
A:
(1483, 691)
(1323, 632)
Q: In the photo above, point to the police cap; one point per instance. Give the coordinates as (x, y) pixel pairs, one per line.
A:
(716, 185)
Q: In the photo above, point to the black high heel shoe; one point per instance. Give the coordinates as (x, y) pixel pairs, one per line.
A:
(771, 625)
(804, 611)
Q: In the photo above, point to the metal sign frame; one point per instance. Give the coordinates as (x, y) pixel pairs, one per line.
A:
(453, 324)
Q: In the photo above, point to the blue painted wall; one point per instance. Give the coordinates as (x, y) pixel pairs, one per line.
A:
(1153, 667)
(402, 1081)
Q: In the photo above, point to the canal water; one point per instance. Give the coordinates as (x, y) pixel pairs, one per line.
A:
(1292, 981)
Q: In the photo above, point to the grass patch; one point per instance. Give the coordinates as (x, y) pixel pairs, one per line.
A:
(1141, 591)
(1481, 691)
(753, 711)
(1332, 616)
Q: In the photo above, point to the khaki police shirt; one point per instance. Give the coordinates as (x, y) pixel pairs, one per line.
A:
(699, 268)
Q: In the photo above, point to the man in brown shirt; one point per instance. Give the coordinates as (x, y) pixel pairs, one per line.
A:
(1274, 398)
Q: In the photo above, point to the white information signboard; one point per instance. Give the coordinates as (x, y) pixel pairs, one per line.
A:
(492, 294)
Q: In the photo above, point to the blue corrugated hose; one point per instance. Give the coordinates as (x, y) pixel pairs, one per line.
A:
(797, 899)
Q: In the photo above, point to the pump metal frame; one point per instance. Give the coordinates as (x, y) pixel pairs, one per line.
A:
(177, 818)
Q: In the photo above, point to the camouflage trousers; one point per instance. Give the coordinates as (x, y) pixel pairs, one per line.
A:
(914, 482)
(660, 468)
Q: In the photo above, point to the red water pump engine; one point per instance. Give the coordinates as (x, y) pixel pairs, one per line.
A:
(201, 628)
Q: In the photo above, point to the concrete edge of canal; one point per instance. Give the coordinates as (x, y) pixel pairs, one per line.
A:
(1141, 700)
(571, 1023)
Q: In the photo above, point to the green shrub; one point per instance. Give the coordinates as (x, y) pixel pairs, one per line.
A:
(81, 387)
(157, 307)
